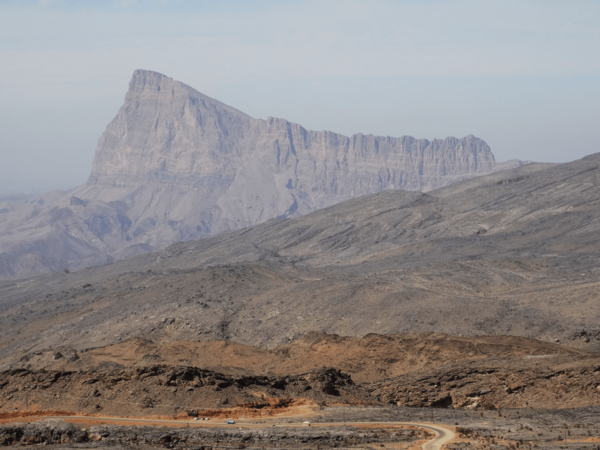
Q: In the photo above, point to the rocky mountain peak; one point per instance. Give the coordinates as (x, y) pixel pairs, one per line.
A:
(147, 80)
(175, 165)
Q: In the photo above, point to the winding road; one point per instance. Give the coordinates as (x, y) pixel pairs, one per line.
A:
(443, 435)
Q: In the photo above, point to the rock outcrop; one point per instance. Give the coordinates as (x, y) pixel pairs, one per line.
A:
(551, 382)
(176, 165)
(160, 390)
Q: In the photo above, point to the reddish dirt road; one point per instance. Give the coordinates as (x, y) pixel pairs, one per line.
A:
(442, 435)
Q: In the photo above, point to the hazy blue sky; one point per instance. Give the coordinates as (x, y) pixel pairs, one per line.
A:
(522, 75)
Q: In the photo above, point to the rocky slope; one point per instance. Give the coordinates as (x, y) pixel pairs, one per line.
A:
(492, 375)
(176, 165)
(372, 358)
(540, 382)
(172, 391)
(486, 256)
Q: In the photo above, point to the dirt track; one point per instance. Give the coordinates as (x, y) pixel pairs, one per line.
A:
(475, 430)
(442, 435)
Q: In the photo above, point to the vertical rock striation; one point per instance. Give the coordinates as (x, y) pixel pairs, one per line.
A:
(249, 170)
(177, 165)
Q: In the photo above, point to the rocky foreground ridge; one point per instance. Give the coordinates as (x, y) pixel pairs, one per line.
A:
(60, 432)
(172, 391)
(176, 165)
(556, 379)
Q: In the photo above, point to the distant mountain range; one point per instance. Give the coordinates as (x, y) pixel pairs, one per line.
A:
(176, 165)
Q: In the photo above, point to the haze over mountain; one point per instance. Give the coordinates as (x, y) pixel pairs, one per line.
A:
(176, 165)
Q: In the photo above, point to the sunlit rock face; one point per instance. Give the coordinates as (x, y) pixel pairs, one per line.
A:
(176, 165)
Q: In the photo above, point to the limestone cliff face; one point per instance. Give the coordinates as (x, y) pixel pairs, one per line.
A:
(168, 132)
(247, 170)
(176, 165)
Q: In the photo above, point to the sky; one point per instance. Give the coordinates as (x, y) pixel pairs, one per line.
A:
(524, 75)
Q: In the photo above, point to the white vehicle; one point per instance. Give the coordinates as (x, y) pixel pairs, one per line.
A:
(195, 418)
(230, 422)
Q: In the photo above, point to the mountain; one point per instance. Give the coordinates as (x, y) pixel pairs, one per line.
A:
(511, 253)
(176, 165)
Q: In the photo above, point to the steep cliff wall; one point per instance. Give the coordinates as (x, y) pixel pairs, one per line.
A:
(176, 165)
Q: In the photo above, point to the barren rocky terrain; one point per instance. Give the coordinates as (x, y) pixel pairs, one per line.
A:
(476, 303)
(134, 379)
(372, 358)
(528, 382)
(335, 427)
(489, 256)
(59, 432)
(173, 391)
(176, 165)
